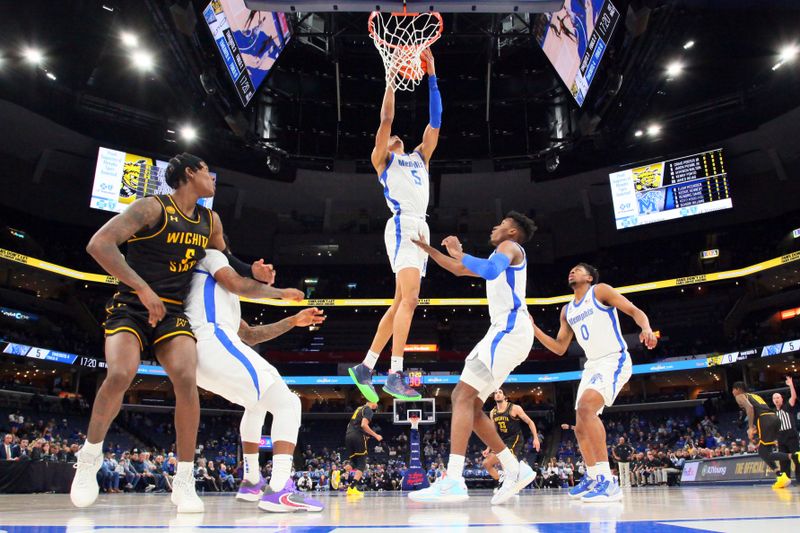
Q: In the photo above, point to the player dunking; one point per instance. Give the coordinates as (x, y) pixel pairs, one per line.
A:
(763, 424)
(227, 366)
(355, 439)
(406, 186)
(508, 418)
(591, 317)
(507, 344)
(166, 236)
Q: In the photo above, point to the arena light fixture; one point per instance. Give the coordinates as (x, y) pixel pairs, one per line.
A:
(34, 56)
(788, 53)
(129, 39)
(51, 76)
(143, 60)
(674, 69)
(653, 129)
(638, 133)
(688, 44)
(188, 132)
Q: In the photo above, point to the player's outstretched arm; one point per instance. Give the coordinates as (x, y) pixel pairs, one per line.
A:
(611, 297)
(369, 431)
(249, 288)
(430, 138)
(560, 344)
(520, 413)
(505, 255)
(792, 391)
(252, 335)
(257, 270)
(448, 263)
(381, 151)
(104, 248)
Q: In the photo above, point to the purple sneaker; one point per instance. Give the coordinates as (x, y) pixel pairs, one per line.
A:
(287, 500)
(251, 492)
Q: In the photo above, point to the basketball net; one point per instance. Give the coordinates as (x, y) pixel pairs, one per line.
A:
(401, 38)
(414, 422)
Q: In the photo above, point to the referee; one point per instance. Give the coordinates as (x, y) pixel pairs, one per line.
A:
(787, 436)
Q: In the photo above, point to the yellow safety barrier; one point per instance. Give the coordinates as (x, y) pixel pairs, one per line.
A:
(453, 302)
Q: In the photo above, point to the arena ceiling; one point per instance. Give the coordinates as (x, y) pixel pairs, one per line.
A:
(88, 79)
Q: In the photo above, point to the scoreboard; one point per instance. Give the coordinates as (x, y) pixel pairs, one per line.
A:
(666, 190)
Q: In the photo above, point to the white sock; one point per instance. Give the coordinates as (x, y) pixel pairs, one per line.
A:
(371, 359)
(455, 466)
(509, 462)
(397, 364)
(185, 469)
(251, 470)
(281, 470)
(604, 469)
(592, 471)
(92, 449)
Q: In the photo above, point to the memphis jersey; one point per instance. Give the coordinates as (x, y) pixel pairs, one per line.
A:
(406, 184)
(208, 302)
(506, 295)
(596, 327)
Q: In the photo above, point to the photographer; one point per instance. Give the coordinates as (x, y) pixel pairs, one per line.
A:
(787, 436)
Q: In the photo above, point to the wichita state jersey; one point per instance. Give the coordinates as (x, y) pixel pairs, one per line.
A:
(166, 254)
(760, 407)
(507, 426)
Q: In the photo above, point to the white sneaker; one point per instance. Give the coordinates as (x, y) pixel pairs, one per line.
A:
(513, 484)
(444, 490)
(184, 495)
(84, 489)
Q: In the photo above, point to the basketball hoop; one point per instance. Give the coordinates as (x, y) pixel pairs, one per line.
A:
(414, 422)
(401, 38)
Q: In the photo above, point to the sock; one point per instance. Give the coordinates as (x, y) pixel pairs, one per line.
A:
(281, 470)
(370, 360)
(185, 469)
(603, 469)
(92, 449)
(251, 470)
(397, 364)
(592, 471)
(455, 466)
(509, 462)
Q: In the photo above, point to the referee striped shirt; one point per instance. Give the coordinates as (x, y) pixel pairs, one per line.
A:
(787, 419)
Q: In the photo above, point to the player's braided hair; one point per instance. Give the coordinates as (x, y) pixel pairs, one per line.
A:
(525, 225)
(175, 174)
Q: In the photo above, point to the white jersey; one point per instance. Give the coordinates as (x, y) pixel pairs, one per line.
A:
(596, 327)
(406, 184)
(208, 303)
(506, 295)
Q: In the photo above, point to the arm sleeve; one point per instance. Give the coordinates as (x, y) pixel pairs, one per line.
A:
(488, 269)
(241, 268)
(213, 261)
(435, 102)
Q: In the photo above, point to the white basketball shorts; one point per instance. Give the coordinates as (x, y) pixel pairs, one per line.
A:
(403, 253)
(607, 376)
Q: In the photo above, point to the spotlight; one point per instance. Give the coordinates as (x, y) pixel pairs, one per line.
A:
(688, 44)
(142, 60)
(33, 56)
(674, 69)
(129, 39)
(638, 133)
(653, 130)
(188, 133)
(788, 53)
(51, 76)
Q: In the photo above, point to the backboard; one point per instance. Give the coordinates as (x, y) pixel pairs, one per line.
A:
(424, 409)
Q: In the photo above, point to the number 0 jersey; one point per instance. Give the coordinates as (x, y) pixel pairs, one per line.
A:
(166, 254)
(406, 184)
(596, 327)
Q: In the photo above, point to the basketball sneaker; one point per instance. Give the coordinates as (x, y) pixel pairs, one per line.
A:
(782, 481)
(396, 386)
(184, 496)
(251, 492)
(362, 377)
(353, 491)
(287, 500)
(586, 484)
(512, 484)
(444, 490)
(605, 490)
(84, 489)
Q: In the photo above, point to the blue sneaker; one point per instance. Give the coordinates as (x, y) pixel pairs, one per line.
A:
(396, 386)
(251, 492)
(605, 490)
(586, 485)
(287, 500)
(512, 484)
(362, 377)
(444, 490)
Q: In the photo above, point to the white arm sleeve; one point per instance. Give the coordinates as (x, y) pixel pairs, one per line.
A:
(213, 261)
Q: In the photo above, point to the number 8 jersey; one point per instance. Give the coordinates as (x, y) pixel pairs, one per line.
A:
(596, 327)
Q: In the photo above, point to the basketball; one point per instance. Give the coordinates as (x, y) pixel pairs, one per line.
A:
(409, 73)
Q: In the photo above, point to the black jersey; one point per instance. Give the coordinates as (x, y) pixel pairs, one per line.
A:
(760, 407)
(165, 255)
(354, 426)
(507, 426)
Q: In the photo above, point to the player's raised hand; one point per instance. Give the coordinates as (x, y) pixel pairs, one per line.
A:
(264, 273)
(648, 338)
(430, 65)
(537, 444)
(453, 246)
(309, 317)
(565, 426)
(293, 295)
(155, 307)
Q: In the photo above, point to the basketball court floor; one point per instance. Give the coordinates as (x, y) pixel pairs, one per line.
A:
(655, 510)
